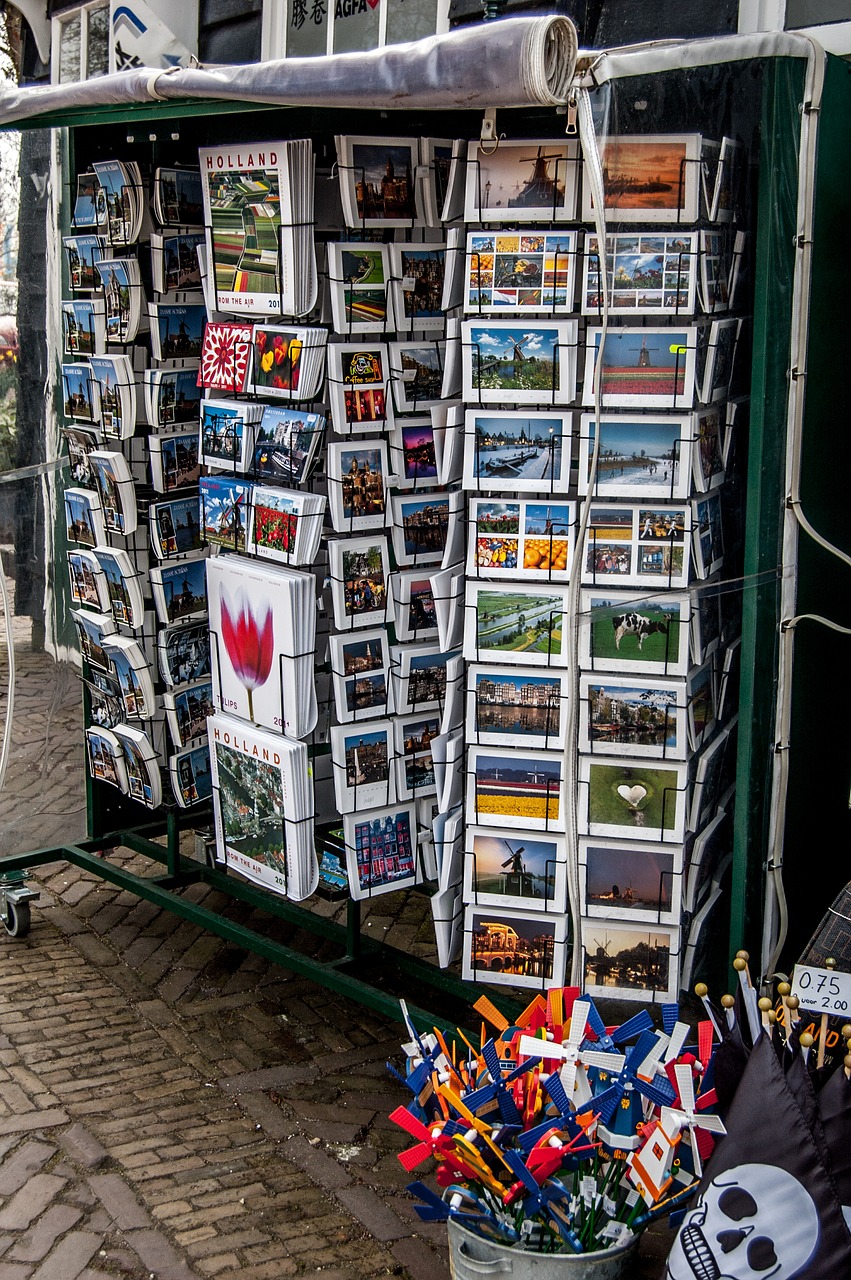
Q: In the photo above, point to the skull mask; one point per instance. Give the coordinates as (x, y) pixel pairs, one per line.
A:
(753, 1222)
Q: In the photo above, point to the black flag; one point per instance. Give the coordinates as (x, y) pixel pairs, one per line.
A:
(766, 1209)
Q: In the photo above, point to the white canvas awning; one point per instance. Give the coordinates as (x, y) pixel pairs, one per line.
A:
(515, 62)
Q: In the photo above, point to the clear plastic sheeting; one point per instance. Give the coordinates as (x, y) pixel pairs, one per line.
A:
(517, 62)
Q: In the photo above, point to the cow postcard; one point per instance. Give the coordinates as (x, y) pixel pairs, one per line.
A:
(637, 632)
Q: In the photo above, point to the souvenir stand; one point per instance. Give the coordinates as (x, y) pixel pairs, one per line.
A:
(614, 557)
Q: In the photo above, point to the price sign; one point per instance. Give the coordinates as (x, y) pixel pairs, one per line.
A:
(822, 990)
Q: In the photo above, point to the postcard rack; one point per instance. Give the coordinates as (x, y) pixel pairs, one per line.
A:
(757, 109)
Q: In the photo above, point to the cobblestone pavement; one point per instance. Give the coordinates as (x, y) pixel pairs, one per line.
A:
(172, 1106)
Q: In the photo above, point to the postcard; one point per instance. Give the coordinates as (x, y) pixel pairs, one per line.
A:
(646, 368)
(121, 286)
(175, 527)
(638, 545)
(82, 253)
(184, 653)
(116, 396)
(413, 457)
(515, 788)
(514, 948)
(514, 270)
(224, 502)
(504, 361)
(123, 584)
(416, 372)
(142, 766)
(225, 355)
(92, 632)
(357, 483)
(631, 881)
(227, 433)
(177, 330)
(171, 396)
(416, 766)
(360, 670)
(129, 665)
(427, 530)
(420, 679)
(524, 452)
(648, 178)
(80, 391)
(287, 363)
(88, 584)
(619, 716)
(106, 707)
(720, 357)
(632, 800)
(729, 681)
(358, 568)
(381, 850)
(708, 451)
(358, 380)
(701, 703)
(180, 590)
(631, 961)
(187, 710)
(635, 632)
(515, 622)
(177, 197)
(364, 771)
(416, 285)
(286, 443)
(174, 460)
(174, 260)
(709, 848)
(506, 707)
(191, 776)
(84, 326)
(647, 272)
(502, 870)
(84, 517)
(117, 492)
(413, 604)
(360, 299)
(517, 539)
(285, 524)
(377, 180)
(715, 267)
(106, 758)
(706, 622)
(80, 442)
(521, 181)
(646, 456)
(707, 535)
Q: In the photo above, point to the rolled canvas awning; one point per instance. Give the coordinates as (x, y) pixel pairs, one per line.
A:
(515, 62)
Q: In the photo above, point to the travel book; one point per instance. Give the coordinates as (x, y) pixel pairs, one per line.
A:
(262, 625)
(263, 806)
(516, 271)
(258, 212)
(173, 460)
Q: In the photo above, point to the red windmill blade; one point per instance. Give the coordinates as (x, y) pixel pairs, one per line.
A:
(432, 1142)
(705, 1034)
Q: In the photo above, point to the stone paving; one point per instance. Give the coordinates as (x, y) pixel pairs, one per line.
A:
(172, 1106)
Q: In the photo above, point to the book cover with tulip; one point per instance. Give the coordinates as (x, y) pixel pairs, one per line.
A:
(262, 642)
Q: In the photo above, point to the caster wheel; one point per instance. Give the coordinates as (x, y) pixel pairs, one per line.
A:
(18, 919)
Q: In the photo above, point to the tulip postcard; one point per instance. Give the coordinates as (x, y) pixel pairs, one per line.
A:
(262, 642)
(513, 788)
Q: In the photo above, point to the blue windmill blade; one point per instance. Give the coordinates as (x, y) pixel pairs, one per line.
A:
(637, 1025)
(498, 1088)
(606, 1102)
(660, 1091)
(670, 1017)
(452, 1128)
(435, 1209)
(563, 1119)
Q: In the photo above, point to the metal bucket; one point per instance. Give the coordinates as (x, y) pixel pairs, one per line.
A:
(471, 1257)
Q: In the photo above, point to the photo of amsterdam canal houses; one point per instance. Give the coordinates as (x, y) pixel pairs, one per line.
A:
(514, 948)
(625, 960)
(416, 371)
(528, 452)
(521, 181)
(363, 765)
(358, 568)
(633, 717)
(191, 776)
(510, 869)
(420, 677)
(381, 850)
(416, 283)
(421, 527)
(505, 707)
(360, 670)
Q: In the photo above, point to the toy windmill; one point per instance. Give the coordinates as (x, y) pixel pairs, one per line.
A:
(572, 1056)
(689, 1117)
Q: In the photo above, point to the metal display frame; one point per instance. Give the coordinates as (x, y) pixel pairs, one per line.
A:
(782, 265)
